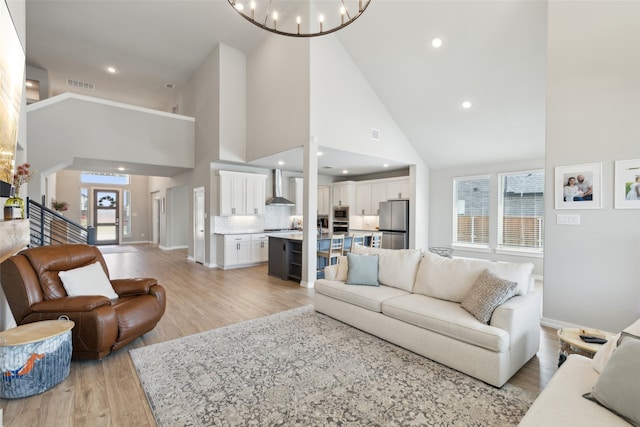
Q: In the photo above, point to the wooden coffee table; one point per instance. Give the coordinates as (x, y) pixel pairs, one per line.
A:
(571, 343)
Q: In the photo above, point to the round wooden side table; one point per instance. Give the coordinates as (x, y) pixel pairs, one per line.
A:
(571, 343)
(34, 357)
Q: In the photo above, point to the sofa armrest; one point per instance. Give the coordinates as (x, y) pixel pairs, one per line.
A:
(520, 317)
(331, 271)
(71, 304)
(139, 286)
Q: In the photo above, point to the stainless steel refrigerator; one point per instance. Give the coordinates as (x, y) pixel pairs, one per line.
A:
(394, 224)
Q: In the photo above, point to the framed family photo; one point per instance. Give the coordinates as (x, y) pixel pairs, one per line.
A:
(578, 186)
(627, 184)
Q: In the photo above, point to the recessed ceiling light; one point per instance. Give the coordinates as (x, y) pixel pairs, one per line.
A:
(436, 42)
(121, 169)
(320, 153)
(466, 104)
(112, 70)
(280, 162)
(29, 84)
(345, 171)
(386, 165)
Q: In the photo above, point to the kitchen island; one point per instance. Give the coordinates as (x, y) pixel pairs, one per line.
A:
(285, 254)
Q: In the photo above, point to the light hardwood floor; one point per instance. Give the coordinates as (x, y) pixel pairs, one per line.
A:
(108, 393)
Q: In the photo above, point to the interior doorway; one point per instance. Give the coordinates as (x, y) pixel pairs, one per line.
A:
(156, 207)
(107, 216)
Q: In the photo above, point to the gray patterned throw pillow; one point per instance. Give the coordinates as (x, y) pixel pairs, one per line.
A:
(486, 293)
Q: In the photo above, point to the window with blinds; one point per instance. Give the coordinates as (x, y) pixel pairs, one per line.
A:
(471, 197)
(521, 210)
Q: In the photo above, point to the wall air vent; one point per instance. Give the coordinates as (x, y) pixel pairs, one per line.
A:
(375, 134)
(81, 85)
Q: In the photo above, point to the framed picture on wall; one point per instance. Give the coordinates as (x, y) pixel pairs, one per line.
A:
(578, 186)
(627, 184)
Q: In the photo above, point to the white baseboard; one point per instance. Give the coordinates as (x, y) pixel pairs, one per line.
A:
(135, 242)
(171, 248)
(558, 324)
(305, 284)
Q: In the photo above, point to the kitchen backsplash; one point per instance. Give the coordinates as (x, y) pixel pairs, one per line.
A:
(274, 217)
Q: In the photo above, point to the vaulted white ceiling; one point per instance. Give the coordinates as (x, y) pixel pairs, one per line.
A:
(493, 55)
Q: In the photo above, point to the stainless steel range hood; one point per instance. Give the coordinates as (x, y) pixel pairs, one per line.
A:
(277, 199)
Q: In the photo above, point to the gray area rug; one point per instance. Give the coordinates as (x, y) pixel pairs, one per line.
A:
(302, 368)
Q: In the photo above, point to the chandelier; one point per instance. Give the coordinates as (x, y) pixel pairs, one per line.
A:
(300, 18)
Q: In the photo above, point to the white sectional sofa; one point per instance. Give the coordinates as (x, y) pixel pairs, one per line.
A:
(417, 305)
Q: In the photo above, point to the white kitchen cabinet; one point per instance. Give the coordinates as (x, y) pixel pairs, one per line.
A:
(344, 194)
(256, 194)
(368, 197)
(259, 248)
(363, 199)
(378, 194)
(237, 250)
(241, 193)
(398, 189)
(324, 205)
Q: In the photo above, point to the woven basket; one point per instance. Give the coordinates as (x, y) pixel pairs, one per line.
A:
(33, 368)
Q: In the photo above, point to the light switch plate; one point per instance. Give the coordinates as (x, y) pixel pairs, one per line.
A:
(568, 219)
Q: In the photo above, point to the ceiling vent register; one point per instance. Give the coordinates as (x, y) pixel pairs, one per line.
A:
(81, 85)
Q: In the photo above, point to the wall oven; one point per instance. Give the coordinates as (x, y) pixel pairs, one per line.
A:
(341, 219)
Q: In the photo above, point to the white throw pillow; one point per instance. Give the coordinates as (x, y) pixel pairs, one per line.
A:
(602, 356)
(519, 272)
(88, 280)
(447, 279)
(343, 269)
(396, 267)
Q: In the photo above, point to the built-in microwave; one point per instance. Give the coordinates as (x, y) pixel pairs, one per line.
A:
(341, 212)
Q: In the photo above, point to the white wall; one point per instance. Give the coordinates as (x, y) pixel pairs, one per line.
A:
(199, 98)
(72, 126)
(591, 270)
(233, 105)
(343, 110)
(277, 96)
(177, 210)
(17, 11)
(441, 208)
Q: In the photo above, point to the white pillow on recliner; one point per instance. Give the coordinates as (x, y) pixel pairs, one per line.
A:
(87, 280)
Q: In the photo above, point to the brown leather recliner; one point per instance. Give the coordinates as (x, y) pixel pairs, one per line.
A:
(34, 292)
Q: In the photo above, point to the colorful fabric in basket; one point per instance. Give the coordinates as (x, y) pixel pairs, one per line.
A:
(35, 367)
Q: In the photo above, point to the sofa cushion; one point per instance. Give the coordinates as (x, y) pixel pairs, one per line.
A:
(363, 270)
(369, 297)
(446, 318)
(396, 267)
(445, 278)
(617, 387)
(487, 292)
(519, 272)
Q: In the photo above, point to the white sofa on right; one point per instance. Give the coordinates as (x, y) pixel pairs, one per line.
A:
(561, 403)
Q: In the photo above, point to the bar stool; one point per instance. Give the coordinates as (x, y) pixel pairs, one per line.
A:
(356, 240)
(336, 244)
(376, 239)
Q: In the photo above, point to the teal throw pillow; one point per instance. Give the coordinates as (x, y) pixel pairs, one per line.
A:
(363, 270)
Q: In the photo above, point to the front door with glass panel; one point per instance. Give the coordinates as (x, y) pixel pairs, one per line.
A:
(107, 219)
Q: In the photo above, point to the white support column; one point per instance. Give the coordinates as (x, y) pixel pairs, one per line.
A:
(310, 211)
